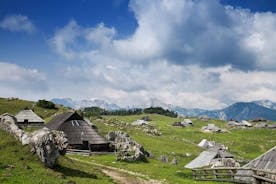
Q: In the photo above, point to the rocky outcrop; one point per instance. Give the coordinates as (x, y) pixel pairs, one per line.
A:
(47, 144)
(224, 162)
(125, 148)
(8, 123)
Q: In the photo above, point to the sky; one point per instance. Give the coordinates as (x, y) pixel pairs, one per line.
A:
(189, 53)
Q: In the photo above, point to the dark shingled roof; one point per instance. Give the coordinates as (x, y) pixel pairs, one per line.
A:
(76, 128)
(265, 161)
(57, 120)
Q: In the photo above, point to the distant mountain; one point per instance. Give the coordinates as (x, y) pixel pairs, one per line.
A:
(266, 103)
(239, 111)
(77, 104)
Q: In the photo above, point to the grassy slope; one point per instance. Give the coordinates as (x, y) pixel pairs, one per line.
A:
(18, 165)
(175, 142)
(15, 159)
(16, 105)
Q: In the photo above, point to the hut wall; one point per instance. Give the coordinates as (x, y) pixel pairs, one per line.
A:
(31, 125)
(100, 147)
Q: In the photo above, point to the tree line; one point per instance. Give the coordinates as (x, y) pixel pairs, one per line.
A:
(96, 111)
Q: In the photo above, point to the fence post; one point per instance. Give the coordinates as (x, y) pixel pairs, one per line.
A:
(255, 180)
(215, 174)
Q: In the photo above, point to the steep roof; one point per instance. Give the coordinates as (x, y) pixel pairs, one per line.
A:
(76, 128)
(28, 115)
(57, 120)
(79, 130)
(203, 159)
(265, 161)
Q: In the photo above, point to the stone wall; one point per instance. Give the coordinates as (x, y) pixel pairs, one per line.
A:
(47, 144)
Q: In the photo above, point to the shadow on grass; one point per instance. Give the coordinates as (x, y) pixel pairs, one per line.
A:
(74, 172)
(185, 175)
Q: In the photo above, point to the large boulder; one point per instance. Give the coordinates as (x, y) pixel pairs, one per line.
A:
(125, 148)
(47, 144)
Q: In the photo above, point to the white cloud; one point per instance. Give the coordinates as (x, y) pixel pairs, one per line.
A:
(16, 80)
(187, 53)
(17, 23)
(75, 42)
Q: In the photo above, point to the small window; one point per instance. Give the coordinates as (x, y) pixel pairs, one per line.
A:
(77, 123)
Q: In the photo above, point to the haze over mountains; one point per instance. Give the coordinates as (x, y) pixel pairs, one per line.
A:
(238, 111)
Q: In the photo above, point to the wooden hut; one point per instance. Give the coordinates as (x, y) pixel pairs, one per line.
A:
(266, 161)
(27, 118)
(81, 134)
(208, 158)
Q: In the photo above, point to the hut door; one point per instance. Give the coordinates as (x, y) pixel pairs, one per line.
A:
(85, 145)
(26, 121)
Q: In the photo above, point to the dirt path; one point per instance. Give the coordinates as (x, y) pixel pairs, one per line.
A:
(122, 176)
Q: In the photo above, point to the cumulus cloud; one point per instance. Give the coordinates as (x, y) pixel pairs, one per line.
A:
(186, 53)
(74, 41)
(16, 80)
(17, 23)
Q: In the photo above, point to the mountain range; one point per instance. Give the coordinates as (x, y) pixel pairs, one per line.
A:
(239, 111)
(77, 104)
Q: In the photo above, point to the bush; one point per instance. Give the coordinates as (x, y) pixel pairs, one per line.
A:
(45, 104)
(160, 110)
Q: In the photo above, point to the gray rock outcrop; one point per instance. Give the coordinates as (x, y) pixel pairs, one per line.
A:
(125, 148)
(47, 144)
(8, 123)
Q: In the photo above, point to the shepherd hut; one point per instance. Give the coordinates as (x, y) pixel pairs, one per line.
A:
(266, 161)
(211, 157)
(27, 118)
(81, 134)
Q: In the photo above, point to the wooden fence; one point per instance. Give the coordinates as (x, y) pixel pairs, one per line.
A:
(85, 152)
(235, 175)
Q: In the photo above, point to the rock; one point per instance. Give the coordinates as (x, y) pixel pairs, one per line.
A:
(204, 143)
(163, 158)
(146, 118)
(139, 122)
(47, 144)
(151, 155)
(224, 162)
(8, 123)
(152, 132)
(212, 128)
(174, 161)
(188, 154)
(26, 167)
(125, 148)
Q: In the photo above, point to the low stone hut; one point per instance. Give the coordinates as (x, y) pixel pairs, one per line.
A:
(27, 118)
(80, 133)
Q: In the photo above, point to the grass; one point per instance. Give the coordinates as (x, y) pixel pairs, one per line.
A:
(18, 165)
(13, 106)
(245, 144)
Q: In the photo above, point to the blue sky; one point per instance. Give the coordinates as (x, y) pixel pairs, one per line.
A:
(191, 53)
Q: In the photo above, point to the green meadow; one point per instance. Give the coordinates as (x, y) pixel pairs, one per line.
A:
(18, 165)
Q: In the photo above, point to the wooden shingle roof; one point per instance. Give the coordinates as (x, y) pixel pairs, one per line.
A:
(28, 115)
(76, 128)
(265, 161)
